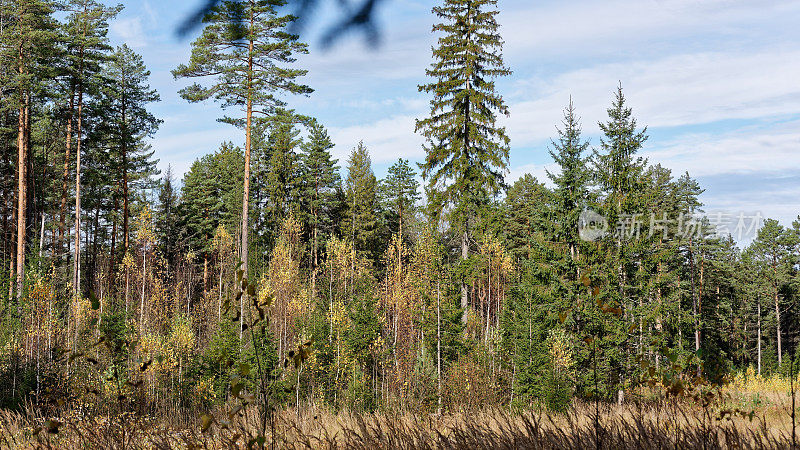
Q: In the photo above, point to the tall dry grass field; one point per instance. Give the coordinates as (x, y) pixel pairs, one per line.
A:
(639, 425)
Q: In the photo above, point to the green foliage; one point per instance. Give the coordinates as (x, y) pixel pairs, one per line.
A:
(248, 58)
(360, 224)
(320, 183)
(210, 196)
(278, 177)
(400, 194)
(116, 331)
(167, 217)
(538, 316)
(466, 151)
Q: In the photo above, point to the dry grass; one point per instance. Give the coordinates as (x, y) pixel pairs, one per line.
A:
(632, 426)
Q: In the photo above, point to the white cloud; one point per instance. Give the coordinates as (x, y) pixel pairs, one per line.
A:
(387, 140)
(672, 91)
(573, 29)
(772, 149)
(129, 31)
(151, 14)
(181, 148)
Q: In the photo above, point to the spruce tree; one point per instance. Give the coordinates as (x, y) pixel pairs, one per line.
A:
(400, 192)
(529, 208)
(467, 152)
(246, 49)
(167, 217)
(360, 222)
(210, 197)
(571, 181)
(619, 176)
(283, 176)
(320, 181)
(617, 166)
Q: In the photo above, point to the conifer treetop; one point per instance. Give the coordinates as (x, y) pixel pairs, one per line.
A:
(246, 48)
(467, 152)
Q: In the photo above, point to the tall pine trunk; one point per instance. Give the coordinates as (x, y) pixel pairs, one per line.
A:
(22, 185)
(12, 273)
(246, 193)
(759, 335)
(77, 263)
(62, 223)
(125, 189)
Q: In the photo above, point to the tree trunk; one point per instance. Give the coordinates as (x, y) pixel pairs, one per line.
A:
(778, 330)
(41, 236)
(78, 140)
(438, 350)
(125, 189)
(247, 144)
(62, 223)
(144, 283)
(12, 273)
(22, 187)
(759, 335)
(464, 256)
(205, 275)
(112, 263)
(694, 300)
(219, 298)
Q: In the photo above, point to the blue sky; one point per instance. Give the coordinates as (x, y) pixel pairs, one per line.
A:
(716, 82)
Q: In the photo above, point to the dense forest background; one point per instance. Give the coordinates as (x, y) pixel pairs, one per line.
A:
(458, 292)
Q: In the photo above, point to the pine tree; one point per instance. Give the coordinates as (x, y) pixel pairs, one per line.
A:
(125, 101)
(770, 251)
(467, 151)
(320, 181)
(87, 48)
(27, 45)
(241, 47)
(687, 206)
(360, 223)
(400, 192)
